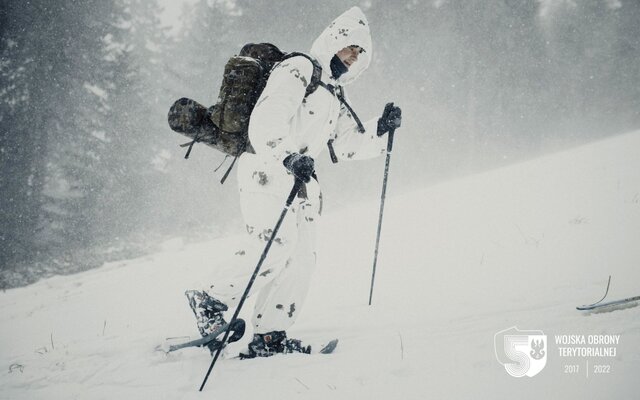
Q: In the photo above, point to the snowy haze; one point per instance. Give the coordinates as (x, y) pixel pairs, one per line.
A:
(460, 261)
(91, 172)
(514, 192)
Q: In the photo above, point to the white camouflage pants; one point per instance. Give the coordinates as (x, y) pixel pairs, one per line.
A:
(285, 275)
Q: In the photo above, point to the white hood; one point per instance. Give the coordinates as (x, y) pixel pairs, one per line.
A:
(350, 28)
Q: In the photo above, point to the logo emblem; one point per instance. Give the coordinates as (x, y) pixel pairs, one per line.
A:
(521, 352)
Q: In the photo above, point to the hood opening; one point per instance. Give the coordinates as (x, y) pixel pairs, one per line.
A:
(350, 28)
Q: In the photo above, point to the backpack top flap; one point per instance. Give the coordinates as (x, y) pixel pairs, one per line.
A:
(265, 52)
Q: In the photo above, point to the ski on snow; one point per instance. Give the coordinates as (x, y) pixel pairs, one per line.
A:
(608, 304)
(170, 346)
(325, 349)
(237, 328)
(599, 305)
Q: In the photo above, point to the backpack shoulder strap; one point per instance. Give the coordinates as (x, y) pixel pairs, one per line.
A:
(315, 76)
(353, 113)
(340, 94)
(336, 91)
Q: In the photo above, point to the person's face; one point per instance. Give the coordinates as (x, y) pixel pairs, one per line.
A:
(349, 55)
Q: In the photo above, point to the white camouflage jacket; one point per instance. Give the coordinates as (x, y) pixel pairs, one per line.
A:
(284, 122)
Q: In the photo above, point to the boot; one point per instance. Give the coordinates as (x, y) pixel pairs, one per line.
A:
(268, 344)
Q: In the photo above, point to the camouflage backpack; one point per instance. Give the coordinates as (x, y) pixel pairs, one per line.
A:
(245, 76)
(224, 126)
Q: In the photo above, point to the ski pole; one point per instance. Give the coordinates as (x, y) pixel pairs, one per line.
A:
(294, 191)
(384, 194)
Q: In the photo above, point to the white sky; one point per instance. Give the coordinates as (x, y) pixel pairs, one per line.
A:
(171, 13)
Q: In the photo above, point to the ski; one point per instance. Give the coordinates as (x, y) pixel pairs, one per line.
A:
(598, 306)
(326, 349)
(237, 328)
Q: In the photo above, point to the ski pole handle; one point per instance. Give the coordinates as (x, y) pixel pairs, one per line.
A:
(294, 191)
(390, 140)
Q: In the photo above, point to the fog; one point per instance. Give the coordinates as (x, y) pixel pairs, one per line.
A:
(91, 172)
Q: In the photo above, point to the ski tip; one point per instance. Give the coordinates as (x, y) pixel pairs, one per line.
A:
(329, 347)
(611, 306)
(164, 347)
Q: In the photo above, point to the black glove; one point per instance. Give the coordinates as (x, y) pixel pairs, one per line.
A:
(300, 165)
(391, 119)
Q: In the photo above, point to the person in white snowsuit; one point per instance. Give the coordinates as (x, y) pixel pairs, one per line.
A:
(288, 128)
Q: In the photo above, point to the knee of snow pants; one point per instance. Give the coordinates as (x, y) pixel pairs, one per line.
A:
(280, 301)
(284, 278)
(260, 212)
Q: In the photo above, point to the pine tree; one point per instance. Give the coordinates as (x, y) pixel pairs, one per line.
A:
(56, 111)
(21, 164)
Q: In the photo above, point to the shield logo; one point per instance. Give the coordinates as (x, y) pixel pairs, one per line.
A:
(521, 352)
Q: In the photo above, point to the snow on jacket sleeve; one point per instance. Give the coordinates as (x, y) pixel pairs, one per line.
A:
(270, 121)
(349, 144)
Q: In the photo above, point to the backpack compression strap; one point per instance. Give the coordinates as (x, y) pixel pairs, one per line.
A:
(316, 81)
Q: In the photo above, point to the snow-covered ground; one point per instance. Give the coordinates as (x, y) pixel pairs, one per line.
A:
(518, 246)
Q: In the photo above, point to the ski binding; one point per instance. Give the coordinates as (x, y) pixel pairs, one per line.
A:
(237, 328)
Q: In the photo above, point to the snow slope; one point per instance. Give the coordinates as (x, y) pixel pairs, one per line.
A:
(459, 262)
